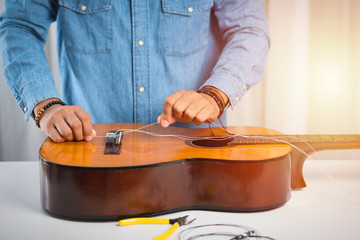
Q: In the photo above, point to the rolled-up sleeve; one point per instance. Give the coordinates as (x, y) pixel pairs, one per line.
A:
(244, 31)
(23, 30)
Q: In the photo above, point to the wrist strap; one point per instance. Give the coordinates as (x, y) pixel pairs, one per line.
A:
(214, 93)
(42, 110)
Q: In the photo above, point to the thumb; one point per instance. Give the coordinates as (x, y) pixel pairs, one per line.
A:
(165, 121)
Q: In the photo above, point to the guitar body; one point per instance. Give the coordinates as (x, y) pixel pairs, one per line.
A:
(155, 175)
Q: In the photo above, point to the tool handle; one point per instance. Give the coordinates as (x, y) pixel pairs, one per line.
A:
(168, 233)
(132, 221)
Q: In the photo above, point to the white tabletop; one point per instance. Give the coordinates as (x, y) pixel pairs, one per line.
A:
(329, 208)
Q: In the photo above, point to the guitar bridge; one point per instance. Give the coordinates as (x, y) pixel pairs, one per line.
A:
(113, 142)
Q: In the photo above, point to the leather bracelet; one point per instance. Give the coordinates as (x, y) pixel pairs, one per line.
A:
(42, 110)
(214, 93)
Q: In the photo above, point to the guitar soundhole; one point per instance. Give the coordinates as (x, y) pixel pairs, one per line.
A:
(215, 142)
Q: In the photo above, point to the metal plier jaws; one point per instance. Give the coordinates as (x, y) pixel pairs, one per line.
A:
(175, 222)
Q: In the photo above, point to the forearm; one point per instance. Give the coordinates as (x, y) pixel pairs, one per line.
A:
(245, 35)
(22, 49)
(26, 70)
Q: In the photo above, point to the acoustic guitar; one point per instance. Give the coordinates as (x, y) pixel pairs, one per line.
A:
(157, 173)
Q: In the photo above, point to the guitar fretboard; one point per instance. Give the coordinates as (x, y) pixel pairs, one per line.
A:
(320, 138)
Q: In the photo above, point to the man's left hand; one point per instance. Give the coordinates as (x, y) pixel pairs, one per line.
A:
(189, 106)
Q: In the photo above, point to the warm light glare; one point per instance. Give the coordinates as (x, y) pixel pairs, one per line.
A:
(328, 79)
(331, 77)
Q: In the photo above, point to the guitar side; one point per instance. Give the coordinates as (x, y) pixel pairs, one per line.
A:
(78, 187)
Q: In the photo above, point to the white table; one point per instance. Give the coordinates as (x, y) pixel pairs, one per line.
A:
(329, 208)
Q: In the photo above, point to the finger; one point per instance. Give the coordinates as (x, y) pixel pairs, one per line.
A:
(48, 124)
(64, 130)
(168, 106)
(192, 110)
(202, 116)
(165, 123)
(52, 132)
(180, 106)
(85, 119)
(172, 120)
(55, 136)
(76, 126)
(189, 114)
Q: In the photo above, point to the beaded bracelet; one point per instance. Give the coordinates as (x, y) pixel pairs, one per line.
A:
(42, 110)
(214, 93)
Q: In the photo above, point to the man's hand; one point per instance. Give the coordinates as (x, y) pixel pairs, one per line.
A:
(65, 123)
(189, 106)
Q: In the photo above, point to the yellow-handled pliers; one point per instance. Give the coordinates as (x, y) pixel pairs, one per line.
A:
(176, 222)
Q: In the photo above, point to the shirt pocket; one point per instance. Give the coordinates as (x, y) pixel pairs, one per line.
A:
(185, 26)
(86, 25)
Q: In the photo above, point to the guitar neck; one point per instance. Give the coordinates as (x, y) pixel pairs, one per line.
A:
(313, 142)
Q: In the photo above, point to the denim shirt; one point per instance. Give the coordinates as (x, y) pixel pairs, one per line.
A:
(119, 60)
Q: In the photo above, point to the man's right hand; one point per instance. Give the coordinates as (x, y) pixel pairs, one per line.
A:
(65, 123)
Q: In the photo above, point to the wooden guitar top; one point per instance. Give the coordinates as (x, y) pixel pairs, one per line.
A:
(140, 149)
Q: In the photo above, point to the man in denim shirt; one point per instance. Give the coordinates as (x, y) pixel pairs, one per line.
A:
(132, 61)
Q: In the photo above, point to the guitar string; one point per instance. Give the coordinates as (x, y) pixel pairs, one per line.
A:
(231, 135)
(325, 172)
(245, 233)
(219, 138)
(281, 141)
(184, 137)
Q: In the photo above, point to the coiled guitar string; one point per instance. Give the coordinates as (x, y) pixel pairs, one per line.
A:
(240, 232)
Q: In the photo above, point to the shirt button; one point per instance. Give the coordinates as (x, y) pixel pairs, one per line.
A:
(237, 98)
(83, 8)
(25, 109)
(190, 9)
(141, 42)
(141, 89)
